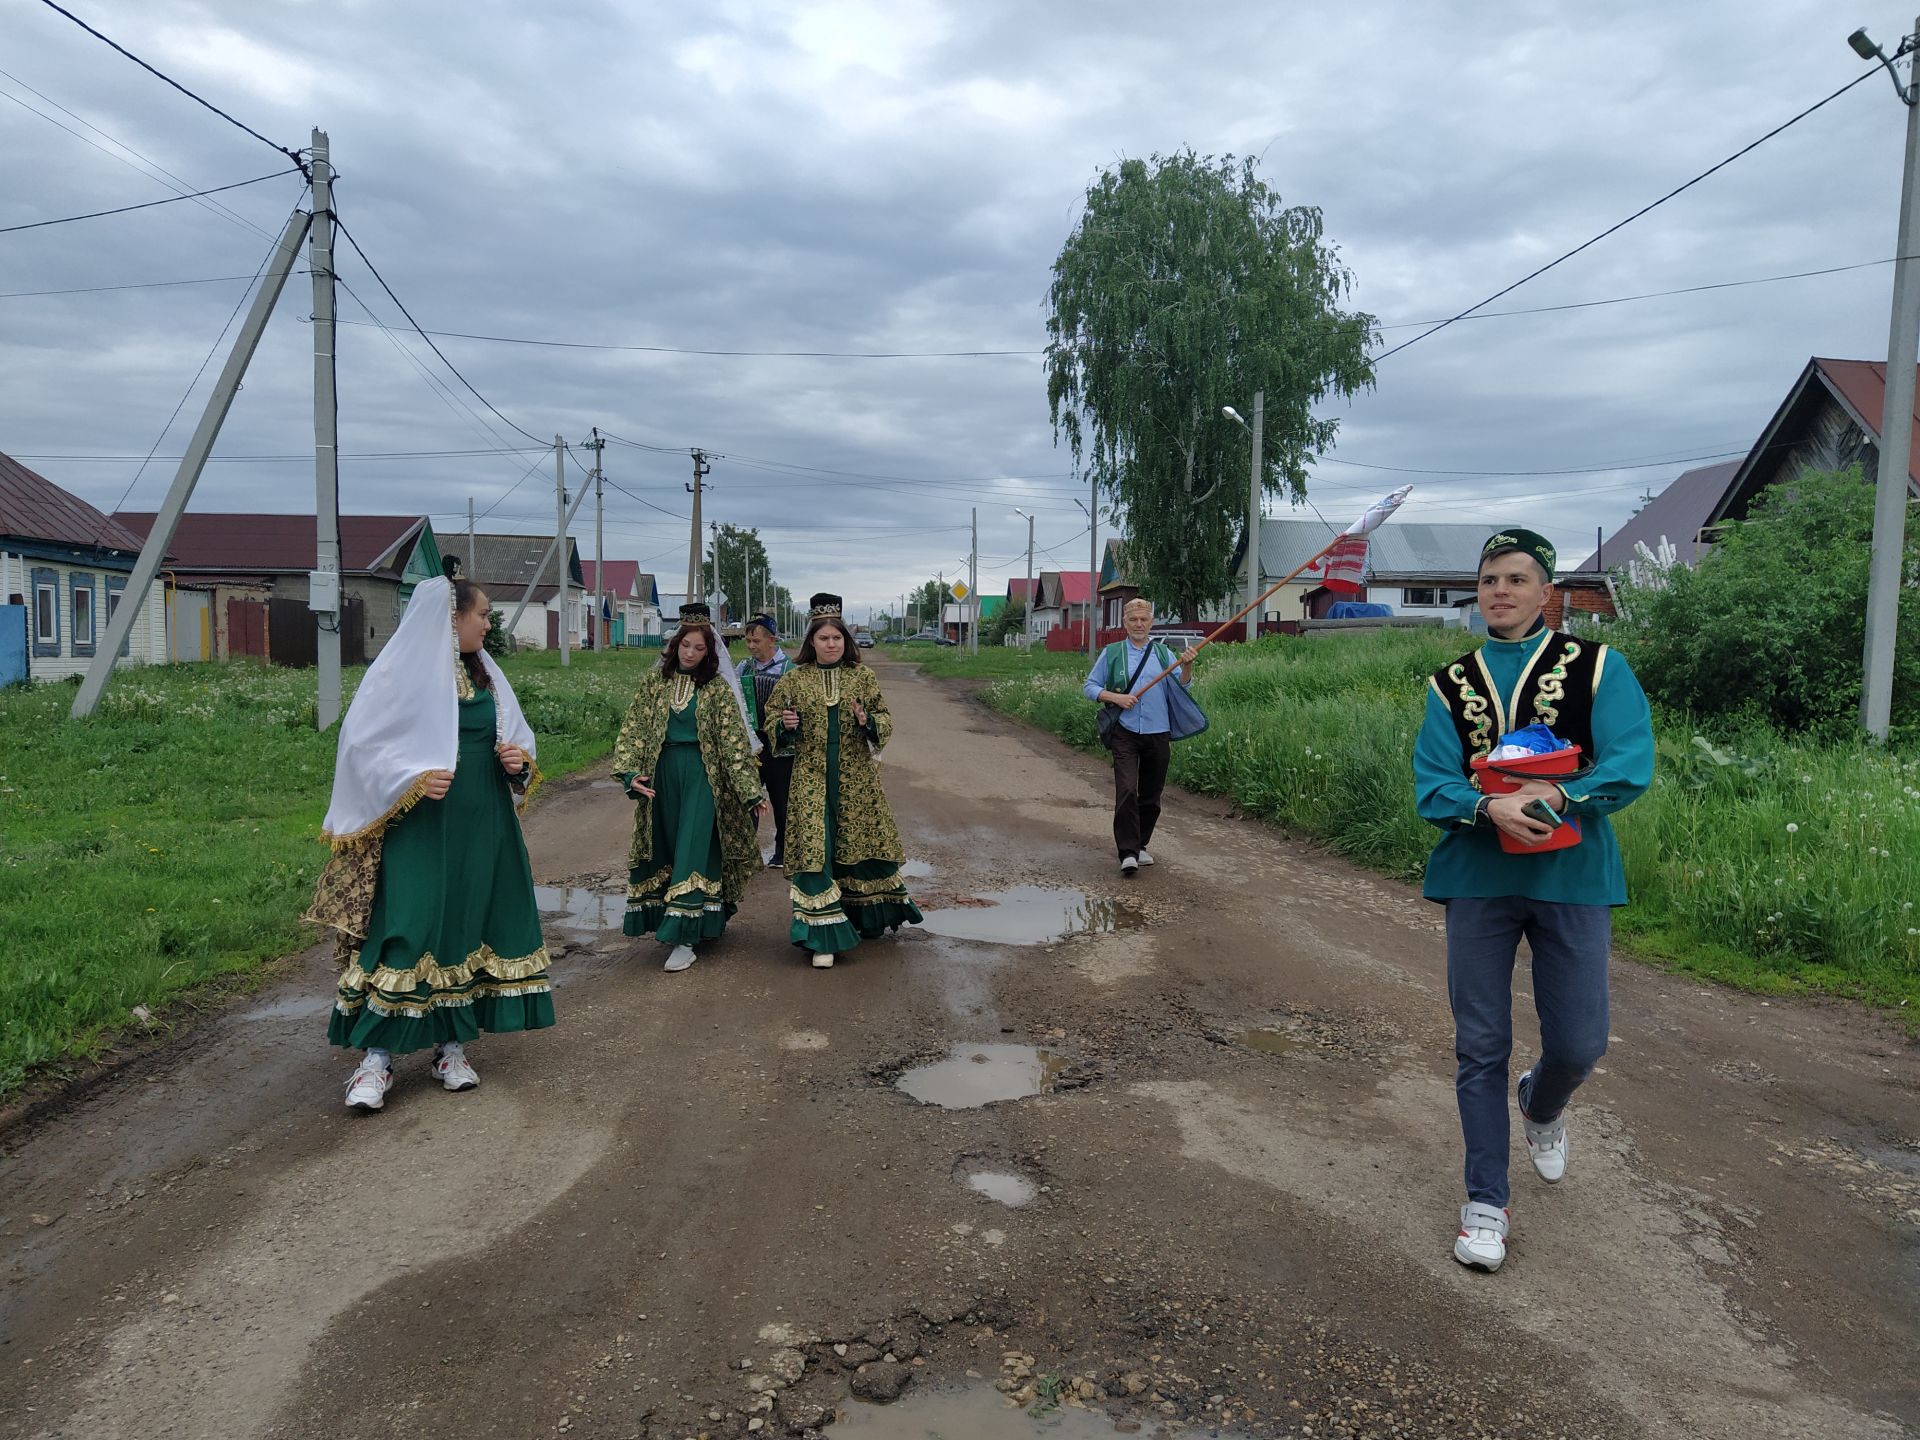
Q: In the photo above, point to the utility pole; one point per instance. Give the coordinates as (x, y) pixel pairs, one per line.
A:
(597, 445)
(560, 533)
(1093, 559)
(700, 468)
(1253, 512)
(323, 587)
(470, 547)
(286, 250)
(940, 602)
(1026, 613)
(1896, 425)
(713, 529)
(973, 583)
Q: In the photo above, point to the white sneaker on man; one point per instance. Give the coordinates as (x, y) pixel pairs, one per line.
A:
(823, 962)
(367, 1086)
(1129, 864)
(681, 959)
(1482, 1244)
(453, 1070)
(1546, 1144)
(1145, 858)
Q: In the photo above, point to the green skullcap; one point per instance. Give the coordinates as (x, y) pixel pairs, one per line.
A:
(1527, 542)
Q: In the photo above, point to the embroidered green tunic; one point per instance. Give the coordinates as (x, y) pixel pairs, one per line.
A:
(843, 850)
(694, 845)
(453, 944)
(1585, 693)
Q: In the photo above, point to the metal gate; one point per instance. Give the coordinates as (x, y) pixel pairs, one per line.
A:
(13, 645)
(293, 634)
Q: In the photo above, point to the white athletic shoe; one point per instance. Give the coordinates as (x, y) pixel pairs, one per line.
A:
(367, 1086)
(823, 962)
(1483, 1237)
(1145, 858)
(682, 958)
(1129, 864)
(1546, 1144)
(453, 1070)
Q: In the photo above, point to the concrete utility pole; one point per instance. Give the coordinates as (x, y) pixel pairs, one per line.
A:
(1253, 512)
(555, 546)
(154, 552)
(323, 586)
(973, 583)
(560, 518)
(1896, 424)
(469, 571)
(700, 468)
(597, 445)
(1093, 559)
(1026, 614)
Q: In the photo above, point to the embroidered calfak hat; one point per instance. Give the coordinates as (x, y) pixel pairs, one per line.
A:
(1527, 542)
(697, 612)
(765, 622)
(823, 605)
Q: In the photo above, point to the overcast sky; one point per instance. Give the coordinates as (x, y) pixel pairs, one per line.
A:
(842, 175)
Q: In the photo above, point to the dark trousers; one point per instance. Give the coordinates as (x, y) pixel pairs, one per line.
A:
(776, 773)
(1139, 775)
(1570, 945)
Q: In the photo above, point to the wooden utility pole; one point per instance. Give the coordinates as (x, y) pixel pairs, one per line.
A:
(560, 518)
(700, 469)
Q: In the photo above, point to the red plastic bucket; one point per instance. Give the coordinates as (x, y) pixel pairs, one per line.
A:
(1503, 777)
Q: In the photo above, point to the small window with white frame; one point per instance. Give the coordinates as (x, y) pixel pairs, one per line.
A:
(1419, 595)
(46, 612)
(82, 614)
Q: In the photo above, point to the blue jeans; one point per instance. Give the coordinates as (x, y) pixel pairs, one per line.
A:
(1570, 945)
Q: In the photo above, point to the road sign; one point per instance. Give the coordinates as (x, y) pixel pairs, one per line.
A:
(960, 590)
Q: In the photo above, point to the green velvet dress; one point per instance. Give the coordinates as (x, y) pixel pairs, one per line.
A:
(453, 944)
(683, 903)
(833, 912)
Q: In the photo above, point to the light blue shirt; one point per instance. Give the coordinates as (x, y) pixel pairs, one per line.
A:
(1150, 716)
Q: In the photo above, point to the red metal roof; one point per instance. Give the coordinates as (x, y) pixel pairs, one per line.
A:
(622, 576)
(369, 544)
(1862, 385)
(1076, 586)
(1017, 589)
(32, 507)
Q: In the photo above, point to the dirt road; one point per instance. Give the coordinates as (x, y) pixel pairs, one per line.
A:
(702, 1204)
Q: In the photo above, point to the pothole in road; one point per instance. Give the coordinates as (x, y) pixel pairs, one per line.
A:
(604, 785)
(292, 1007)
(1269, 1042)
(980, 1412)
(1023, 915)
(575, 907)
(976, 1075)
(1003, 1186)
(916, 869)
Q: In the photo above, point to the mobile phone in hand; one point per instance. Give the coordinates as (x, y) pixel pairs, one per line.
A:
(1538, 809)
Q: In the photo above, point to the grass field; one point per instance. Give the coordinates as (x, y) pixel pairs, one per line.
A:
(1769, 864)
(173, 839)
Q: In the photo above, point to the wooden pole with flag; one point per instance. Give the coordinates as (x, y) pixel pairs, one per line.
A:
(1347, 552)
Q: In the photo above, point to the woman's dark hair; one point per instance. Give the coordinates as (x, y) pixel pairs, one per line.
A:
(466, 595)
(848, 656)
(709, 665)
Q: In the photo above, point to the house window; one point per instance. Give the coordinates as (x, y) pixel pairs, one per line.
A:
(46, 610)
(83, 618)
(116, 592)
(1419, 595)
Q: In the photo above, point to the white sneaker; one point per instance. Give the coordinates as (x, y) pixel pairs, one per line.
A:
(1483, 1237)
(1129, 864)
(367, 1086)
(682, 958)
(1145, 858)
(823, 962)
(1546, 1144)
(452, 1068)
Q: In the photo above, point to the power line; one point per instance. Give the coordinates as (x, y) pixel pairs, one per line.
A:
(683, 519)
(303, 458)
(292, 155)
(341, 227)
(143, 285)
(1621, 225)
(741, 354)
(145, 205)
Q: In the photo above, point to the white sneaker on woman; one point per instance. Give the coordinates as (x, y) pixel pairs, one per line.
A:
(453, 1070)
(823, 962)
(367, 1086)
(682, 958)
(1483, 1237)
(1145, 858)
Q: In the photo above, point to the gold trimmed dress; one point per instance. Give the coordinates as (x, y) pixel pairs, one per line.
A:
(843, 849)
(694, 844)
(451, 944)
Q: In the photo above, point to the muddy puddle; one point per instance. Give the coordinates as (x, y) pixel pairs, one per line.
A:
(1269, 1042)
(574, 907)
(979, 1412)
(290, 1007)
(976, 1075)
(916, 870)
(1004, 1187)
(1024, 915)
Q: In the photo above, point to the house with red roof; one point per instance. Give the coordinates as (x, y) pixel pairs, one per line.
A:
(64, 569)
(1062, 597)
(255, 569)
(631, 606)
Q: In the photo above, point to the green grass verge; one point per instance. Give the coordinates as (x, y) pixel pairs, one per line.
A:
(1774, 865)
(173, 838)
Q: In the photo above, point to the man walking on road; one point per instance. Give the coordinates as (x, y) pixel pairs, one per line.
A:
(1558, 899)
(766, 662)
(1142, 744)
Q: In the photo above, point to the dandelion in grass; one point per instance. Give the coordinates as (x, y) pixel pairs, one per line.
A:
(1793, 828)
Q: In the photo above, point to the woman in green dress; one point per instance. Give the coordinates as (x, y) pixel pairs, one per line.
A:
(843, 851)
(686, 758)
(429, 892)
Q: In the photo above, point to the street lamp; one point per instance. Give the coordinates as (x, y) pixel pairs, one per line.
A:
(1896, 419)
(1026, 603)
(1256, 430)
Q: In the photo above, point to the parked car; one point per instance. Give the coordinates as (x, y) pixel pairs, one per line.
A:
(863, 637)
(1181, 638)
